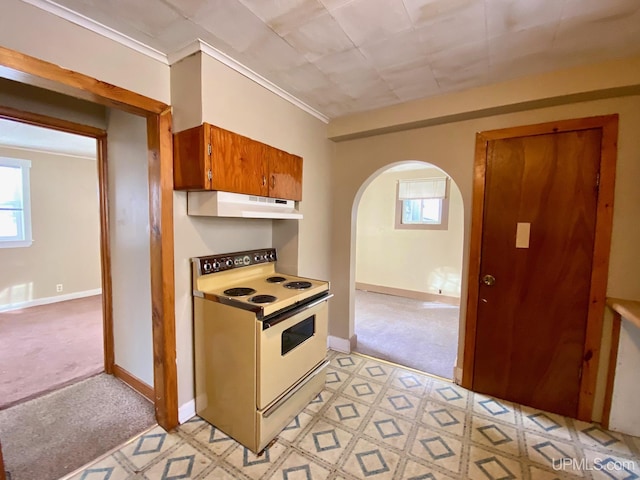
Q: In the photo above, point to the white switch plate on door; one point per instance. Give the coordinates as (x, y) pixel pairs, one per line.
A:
(523, 231)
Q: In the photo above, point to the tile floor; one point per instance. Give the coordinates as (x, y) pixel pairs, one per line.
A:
(377, 421)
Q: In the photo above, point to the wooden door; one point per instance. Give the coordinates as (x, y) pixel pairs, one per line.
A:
(285, 172)
(237, 163)
(537, 298)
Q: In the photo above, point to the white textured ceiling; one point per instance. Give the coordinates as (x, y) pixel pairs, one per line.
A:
(347, 56)
(21, 135)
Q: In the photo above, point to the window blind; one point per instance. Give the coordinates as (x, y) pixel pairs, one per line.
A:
(422, 188)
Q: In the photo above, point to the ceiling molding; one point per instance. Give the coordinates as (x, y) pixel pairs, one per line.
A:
(97, 27)
(201, 46)
(194, 47)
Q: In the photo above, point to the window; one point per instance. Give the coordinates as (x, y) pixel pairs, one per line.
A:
(15, 204)
(422, 204)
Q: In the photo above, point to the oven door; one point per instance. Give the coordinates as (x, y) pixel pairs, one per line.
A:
(289, 350)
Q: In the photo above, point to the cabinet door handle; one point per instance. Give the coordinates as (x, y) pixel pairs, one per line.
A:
(264, 180)
(273, 181)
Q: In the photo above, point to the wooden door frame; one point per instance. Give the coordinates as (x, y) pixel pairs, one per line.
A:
(32, 71)
(608, 124)
(100, 136)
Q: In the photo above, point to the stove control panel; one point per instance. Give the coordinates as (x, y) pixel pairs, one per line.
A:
(228, 261)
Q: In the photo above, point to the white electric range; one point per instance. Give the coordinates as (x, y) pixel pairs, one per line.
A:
(260, 344)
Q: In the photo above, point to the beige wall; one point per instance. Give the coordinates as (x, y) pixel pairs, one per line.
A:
(451, 147)
(30, 30)
(65, 223)
(234, 102)
(33, 99)
(428, 261)
(79, 49)
(129, 237)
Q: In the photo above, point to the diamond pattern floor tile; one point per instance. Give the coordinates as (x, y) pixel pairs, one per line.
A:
(593, 436)
(326, 441)
(494, 408)
(350, 363)
(347, 411)
(444, 417)
(389, 429)
(486, 432)
(418, 471)
(335, 378)
(214, 440)
(546, 423)
(362, 389)
(438, 449)
(400, 402)
(219, 473)
(108, 469)
(296, 426)
(377, 421)
(146, 448)
(371, 461)
(550, 453)
(445, 392)
(411, 382)
(192, 425)
(376, 371)
(252, 465)
(538, 473)
(608, 466)
(484, 464)
(183, 463)
(320, 401)
(299, 467)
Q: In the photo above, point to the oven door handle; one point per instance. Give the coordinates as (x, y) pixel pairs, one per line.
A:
(269, 411)
(295, 311)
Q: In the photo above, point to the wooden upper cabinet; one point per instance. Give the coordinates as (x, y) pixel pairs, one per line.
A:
(211, 158)
(236, 164)
(285, 174)
(191, 160)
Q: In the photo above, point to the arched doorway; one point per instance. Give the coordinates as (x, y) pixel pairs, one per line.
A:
(409, 232)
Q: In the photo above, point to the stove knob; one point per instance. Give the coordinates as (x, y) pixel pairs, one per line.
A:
(257, 258)
(272, 256)
(229, 263)
(216, 265)
(206, 266)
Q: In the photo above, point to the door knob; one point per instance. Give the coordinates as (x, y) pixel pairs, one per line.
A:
(489, 280)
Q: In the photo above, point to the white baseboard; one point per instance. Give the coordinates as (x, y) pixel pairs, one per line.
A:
(342, 345)
(48, 300)
(187, 411)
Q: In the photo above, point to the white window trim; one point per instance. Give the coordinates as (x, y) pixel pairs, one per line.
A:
(444, 212)
(25, 165)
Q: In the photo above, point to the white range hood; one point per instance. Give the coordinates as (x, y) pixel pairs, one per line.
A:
(226, 204)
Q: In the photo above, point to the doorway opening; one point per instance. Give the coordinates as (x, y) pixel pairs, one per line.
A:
(51, 304)
(408, 267)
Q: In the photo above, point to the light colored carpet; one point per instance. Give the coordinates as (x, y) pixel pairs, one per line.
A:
(50, 436)
(46, 347)
(416, 334)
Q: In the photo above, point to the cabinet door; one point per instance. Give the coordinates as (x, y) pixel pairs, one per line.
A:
(191, 161)
(285, 175)
(237, 164)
